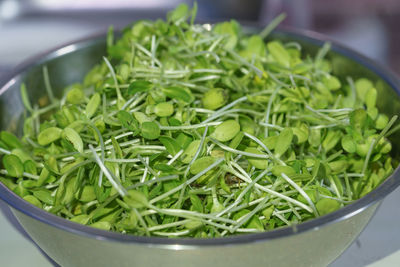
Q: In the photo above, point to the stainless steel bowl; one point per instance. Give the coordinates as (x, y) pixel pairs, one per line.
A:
(313, 243)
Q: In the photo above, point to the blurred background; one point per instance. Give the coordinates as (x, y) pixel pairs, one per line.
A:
(28, 27)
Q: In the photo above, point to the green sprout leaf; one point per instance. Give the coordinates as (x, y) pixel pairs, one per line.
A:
(179, 93)
(283, 142)
(49, 135)
(13, 165)
(172, 146)
(150, 130)
(226, 130)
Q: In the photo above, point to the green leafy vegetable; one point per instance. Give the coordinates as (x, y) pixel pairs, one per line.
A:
(188, 130)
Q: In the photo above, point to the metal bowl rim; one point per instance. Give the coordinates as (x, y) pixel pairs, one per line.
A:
(390, 184)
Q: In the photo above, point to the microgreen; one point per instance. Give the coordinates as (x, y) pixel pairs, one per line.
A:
(200, 131)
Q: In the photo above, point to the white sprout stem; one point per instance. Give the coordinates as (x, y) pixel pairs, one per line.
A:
(155, 180)
(117, 170)
(210, 148)
(155, 147)
(47, 84)
(337, 199)
(70, 170)
(280, 217)
(243, 172)
(348, 187)
(155, 76)
(4, 151)
(45, 109)
(215, 43)
(25, 174)
(276, 80)
(352, 175)
(196, 155)
(371, 147)
(292, 80)
(245, 205)
(386, 129)
(375, 141)
(122, 160)
(273, 126)
(138, 100)
(160, 71)
(320, 114)
(227, 148)
(175, 157)
(142, 222)
(133, 106)
(120, 136)
(199, 88)
(333, 184)
(324, 126)
(335, 110)
(258, 141)
(145, 171)
(216, 114)
(227, 199)
(114, 77)
(208, 71)
(268, 112)
(247, 64)
(301, 191)
(102, 151)
(272, 25)
(274, 193)
(36, 121)
(296, 76)
(338, 100)
(334, 156)
(168, 225)
(205, 78)
(238, 110)
(190, 214)
(206, 40)
(246, 217)
(145, 163)
(191, 180)
(323, 51)
(198, 151)
(147, 53)
(107, 173)
(286, 210)
(188, 127)
(263, 92)
(214, 195)
(127, 103)
(124, 144)
(202, 110)
(279, 195)
(210, 222)
(153, 49)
